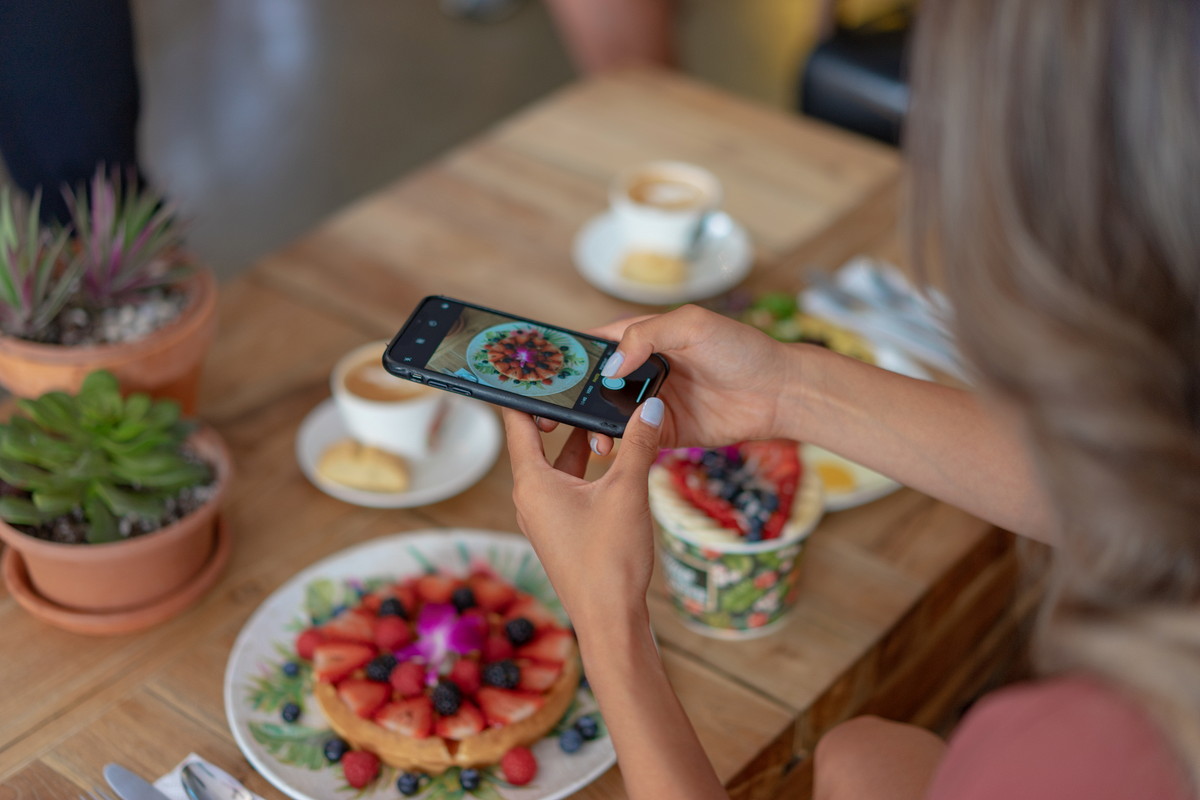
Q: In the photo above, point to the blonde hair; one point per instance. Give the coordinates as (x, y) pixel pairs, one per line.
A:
(1055, 148)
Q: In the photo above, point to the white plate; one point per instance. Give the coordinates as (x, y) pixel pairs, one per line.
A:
(467, 447)
(576, 358)
(869, 485)
(266, 641)
(724, 260)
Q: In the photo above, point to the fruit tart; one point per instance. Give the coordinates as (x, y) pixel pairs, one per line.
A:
(438, 671)
(525, 355)
(746, 493)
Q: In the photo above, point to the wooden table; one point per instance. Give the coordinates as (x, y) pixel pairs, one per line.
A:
(908, 607)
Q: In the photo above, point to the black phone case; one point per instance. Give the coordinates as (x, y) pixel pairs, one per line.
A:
(540, 408)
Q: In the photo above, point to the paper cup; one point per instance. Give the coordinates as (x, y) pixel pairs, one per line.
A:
(387, 412)
(659, 207)
(733, 589)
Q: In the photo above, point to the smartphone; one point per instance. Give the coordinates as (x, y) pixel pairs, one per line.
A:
(511, 361)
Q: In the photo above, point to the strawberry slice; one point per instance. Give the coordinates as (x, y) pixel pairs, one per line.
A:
(408, 678)
(436, 588)
(392, 633)
(504, 707)
(492, 594)
(307, 642)
(333, 661)
(528, 607)
(412, 717)
(466, 674)
(538, 676)
(364, 697)
(349, 627)
(690, 480)
(554, 645)
(777, 463)
(466, 722)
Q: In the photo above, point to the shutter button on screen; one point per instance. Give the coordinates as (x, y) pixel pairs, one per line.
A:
(613, 383)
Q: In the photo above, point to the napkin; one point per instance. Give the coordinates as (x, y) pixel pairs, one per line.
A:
(171, 784)
(877, 301)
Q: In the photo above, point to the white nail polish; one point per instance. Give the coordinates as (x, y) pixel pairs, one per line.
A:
(612, 365)
(594, 443)
(652, 411)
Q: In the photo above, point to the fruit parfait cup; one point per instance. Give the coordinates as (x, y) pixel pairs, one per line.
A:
(732, 522)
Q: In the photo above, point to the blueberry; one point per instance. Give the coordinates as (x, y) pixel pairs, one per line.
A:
(583, 682)
(409, 784)
(290, 712)
(718, 473)
(470, 779)
(380, 668)
(770, 501)
(392, 607)
(335, 748)
(463, 598)
(712, 459)
(570, 741)
(730, 491)
(519, 631)
(755, 534)
(291, 669)
(587, 727)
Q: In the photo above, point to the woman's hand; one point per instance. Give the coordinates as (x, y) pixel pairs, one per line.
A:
(595, 538)
(726, 378)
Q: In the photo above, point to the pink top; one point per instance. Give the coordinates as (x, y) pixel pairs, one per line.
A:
(1063, 739)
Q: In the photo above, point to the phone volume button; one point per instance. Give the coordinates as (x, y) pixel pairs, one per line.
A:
(438, 384)
(460, 390)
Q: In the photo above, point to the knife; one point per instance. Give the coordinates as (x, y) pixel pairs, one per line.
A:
(130, 786)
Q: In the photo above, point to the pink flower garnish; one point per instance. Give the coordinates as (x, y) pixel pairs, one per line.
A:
(440, 633)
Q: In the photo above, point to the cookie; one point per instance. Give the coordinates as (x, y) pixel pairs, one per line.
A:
(361, 466)
(653, 268)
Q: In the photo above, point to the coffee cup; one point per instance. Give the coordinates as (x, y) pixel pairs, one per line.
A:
(382, 410)
(660, 207)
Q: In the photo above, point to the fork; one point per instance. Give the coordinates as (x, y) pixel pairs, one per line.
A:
(96, 794)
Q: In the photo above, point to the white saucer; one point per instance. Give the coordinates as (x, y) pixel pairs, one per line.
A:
(468, 445)
(724, 260)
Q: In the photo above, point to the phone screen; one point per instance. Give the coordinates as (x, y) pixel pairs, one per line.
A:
(484, 351)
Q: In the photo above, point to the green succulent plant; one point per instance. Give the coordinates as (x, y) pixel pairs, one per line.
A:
(127, 236)
(38, 272)
(96, 452)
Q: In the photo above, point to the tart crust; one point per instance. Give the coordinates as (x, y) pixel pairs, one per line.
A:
(434, 754)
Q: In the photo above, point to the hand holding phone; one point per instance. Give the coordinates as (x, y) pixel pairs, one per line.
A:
(534, 367)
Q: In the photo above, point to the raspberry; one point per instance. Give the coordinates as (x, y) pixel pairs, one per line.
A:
(519, 765)
(360, 768)
(408, 679)
(519, 631)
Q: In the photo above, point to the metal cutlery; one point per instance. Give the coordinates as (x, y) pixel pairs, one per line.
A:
(129, 785)
(202, 783)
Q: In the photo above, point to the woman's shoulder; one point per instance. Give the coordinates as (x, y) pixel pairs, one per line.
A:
(1064, 738)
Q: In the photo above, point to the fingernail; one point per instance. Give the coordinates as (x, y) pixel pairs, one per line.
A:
(652, 411)
(594, 443)
(537, 421)
(613, 364)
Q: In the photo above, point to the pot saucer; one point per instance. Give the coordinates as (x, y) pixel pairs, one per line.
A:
(116, 622)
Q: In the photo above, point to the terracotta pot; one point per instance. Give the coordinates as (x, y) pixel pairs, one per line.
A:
(118, 576)
(166, 363)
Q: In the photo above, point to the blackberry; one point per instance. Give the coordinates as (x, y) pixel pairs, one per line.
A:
(463, 598)
(570, 741)
(291, 669)
(587, 727)
(470, 779)
(290, 712)
(380, 668)
(392, 607)
(502, 674)
(447, 697)
(335, 748)
(519, 631)
(409, 783)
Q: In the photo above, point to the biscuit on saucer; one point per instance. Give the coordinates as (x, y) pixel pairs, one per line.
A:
(360, 466)
(656, 269)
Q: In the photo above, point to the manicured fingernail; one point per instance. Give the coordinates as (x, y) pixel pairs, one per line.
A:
(613, 364)
(652, 411)
(537, 421)
(594, 443)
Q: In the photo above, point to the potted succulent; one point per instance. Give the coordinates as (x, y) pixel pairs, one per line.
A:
(111, 502)
(114, 291)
